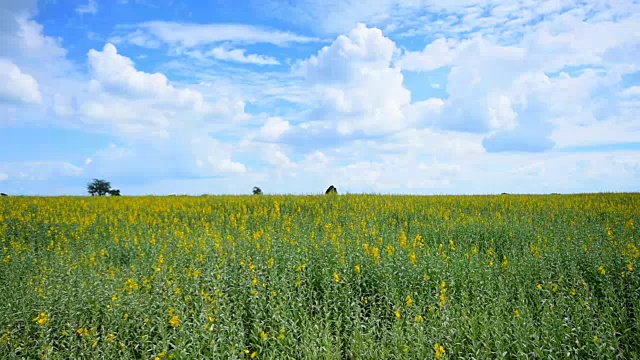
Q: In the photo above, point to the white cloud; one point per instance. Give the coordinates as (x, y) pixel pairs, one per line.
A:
(16, 86)
(359, 91)
(114, 71)
(274, 128)
(363, 50)
(510, 92)
(89, 8)
(437, 54)
(316, 160)
(3, 176)
(238, 55)
(39, 170)
(274, 155)
(632, 91)
(186, 35)
(63, 106)
(27, 40)
(329, 16)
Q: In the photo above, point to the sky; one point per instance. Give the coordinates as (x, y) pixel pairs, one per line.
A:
(372, 96)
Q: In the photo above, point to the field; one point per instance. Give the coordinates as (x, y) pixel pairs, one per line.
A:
(320, 277)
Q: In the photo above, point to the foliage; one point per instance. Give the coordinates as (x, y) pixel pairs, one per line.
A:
(257, 191)
(98, 187)
(101, 187)
(286, 277)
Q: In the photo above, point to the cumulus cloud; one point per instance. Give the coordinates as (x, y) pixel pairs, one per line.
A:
(349, 56)
(116, 72)
(16, 86)
(359, 90)
(507, 93)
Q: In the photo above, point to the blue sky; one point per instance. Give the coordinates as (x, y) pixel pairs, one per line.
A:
(378, 96)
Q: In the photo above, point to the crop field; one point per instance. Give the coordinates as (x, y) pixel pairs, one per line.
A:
(320, 277)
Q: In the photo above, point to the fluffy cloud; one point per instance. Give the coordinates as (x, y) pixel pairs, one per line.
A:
(363, 50)
(359, 90)
(15, 86)
(116, 72)
(274, 128)
(164, 128)
(517, 93)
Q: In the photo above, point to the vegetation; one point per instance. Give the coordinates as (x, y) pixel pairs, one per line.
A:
(257, 191)
(101, 187)
(352, 276)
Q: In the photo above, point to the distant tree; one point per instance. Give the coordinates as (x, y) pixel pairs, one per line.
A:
(3, 194)
(99, 187)
(331, 190)
(257, 191)
(114, 192)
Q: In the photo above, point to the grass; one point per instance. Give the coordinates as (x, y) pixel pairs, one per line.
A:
(320, 277)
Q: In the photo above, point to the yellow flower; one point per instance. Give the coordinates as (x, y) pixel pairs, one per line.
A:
(42, 319)
(412, 258)
(418, 318)
(375, 252)
(516, 312)
(110, 338)
(174, 321)
(505, 262)
(539, 286)
(572, 292)
(357, 269)
(132, 285)
(630, 267)
(443, 294)
(439, 350)
(254, 354)
(398, 315)
(336, 277)
(409, 300)
(263, 335)
(601, 270)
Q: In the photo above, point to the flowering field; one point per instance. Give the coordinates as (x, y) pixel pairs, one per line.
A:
(308, 277)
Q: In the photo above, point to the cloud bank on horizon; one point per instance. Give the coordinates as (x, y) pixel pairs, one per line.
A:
(382, 96)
